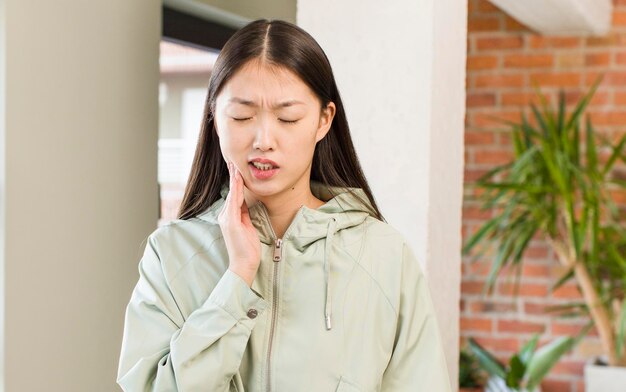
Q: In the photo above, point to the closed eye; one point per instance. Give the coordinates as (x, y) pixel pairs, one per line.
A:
(280, 119)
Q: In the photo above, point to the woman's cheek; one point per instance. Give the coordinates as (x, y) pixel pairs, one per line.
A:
(227, 145)
(237, 147)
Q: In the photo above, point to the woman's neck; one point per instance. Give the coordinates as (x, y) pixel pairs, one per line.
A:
(282, 208)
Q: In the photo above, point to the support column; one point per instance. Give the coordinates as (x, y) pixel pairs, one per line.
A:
(78, 186)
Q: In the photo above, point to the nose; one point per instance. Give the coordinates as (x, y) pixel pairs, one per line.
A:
(264, 138)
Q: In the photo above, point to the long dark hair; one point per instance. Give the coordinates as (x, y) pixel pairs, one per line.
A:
(280, 43)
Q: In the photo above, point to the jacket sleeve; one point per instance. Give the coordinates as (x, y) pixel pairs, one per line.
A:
(418, 361)
(161, 351)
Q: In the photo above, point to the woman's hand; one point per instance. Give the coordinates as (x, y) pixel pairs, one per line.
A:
(242, 240)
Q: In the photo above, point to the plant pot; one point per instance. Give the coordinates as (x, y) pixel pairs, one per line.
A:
(470, 390)
(599, 377)
(495, 384)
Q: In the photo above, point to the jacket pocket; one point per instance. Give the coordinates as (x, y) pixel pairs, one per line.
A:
(346, 385)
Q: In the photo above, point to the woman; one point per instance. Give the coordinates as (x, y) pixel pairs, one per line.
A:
(280, 273)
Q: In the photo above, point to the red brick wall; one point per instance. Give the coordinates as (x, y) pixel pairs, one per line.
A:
(504, 58)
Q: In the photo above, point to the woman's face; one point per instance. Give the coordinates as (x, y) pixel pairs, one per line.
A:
(268, 112)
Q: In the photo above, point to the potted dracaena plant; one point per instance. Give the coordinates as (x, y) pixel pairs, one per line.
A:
(555, 189)
(527, 368)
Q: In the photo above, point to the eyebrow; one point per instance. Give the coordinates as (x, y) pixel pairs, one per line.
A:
(247, 102)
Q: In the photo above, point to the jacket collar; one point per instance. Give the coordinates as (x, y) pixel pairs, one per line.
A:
(340, 211)
(308, 225)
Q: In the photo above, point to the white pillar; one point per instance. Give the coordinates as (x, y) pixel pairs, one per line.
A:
(78, 185)
(400, 67)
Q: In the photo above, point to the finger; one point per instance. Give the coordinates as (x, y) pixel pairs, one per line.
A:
(230, 186)
(231, 178)
(245, 215)
(235, 193)
(242, 187)
(230, 182)
(238, 187)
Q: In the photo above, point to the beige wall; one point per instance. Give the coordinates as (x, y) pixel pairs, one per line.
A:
(274, 9)
(79, 94)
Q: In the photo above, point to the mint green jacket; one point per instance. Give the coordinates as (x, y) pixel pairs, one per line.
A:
(339, 303)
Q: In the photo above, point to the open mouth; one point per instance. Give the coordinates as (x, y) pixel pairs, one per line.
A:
(263, 166)
(262, 171)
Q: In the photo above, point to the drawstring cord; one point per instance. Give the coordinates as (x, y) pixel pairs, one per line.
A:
(329, 239)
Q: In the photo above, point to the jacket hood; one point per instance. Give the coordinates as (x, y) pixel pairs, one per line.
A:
(341, 211)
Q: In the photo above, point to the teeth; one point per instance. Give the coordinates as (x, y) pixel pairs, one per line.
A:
(262, 166)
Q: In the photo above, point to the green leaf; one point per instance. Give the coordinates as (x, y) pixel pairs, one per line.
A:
(492, 172)
(500, 119)
(566, 276)
(545, 358)
(486, 228)
(513, 241)
(592, 156)
(541, 121)
(595, 232)
(526, 352)
(549, 158)
(548, 355)
(529, 188)
(581, 306)
(529, 132)
(516, 372)
(576, 142)
(487, 361)
(546, 112)
(582, 104)
(561, 113)
(504, 250)
(573, 226)
(615, 255)
(519, 140)
(522, 241)
(582, 227)
(617, 150)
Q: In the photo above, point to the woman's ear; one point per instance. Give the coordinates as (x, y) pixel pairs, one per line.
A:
(326, 120)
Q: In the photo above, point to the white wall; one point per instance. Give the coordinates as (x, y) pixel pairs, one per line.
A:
(400, 67)
(78, 126)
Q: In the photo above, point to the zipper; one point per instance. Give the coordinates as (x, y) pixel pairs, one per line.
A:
(278, 250)
(278, 242)
(278, 256)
